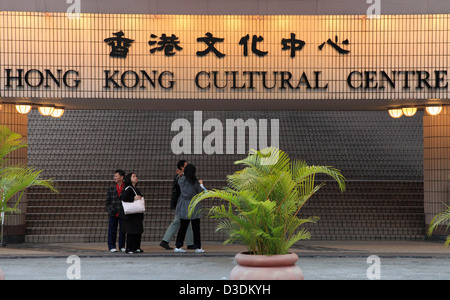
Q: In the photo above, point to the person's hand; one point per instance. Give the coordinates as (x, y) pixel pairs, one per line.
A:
(200, 181)
(137, 197)
(179, 172)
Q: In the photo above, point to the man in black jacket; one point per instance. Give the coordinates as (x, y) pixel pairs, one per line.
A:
(113, 206)
(175, 225)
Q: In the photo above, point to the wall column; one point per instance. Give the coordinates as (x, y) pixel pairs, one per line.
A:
(436, 163)
(14, 229)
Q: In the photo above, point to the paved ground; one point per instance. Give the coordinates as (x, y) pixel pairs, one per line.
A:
(218, 268)
(318, 260)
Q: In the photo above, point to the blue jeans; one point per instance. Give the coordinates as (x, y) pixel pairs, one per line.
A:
(112, 233)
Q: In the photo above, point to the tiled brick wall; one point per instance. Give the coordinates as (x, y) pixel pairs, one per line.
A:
(381, 157)
(436, 165)
(371, 210)
(88, 145)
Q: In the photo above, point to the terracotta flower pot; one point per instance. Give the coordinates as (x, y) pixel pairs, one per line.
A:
(264, 267)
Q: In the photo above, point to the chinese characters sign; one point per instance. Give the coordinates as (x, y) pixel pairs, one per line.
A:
(223, 57)
(120, 45)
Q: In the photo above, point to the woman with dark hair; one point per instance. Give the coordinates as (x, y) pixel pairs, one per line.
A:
(132, 223)
(189, 187)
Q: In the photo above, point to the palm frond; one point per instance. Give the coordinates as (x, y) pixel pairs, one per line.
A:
(9, 142)
(15, 179)
(264, 200)
(441, 219)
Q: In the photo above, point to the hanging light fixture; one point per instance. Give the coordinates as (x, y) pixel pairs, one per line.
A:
(409, 111)
(23, 108)
(433, 110)
(57, 112)
(46, 110)
(395, 112)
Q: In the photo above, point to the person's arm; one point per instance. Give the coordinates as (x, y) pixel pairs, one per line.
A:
(138, 193)
(127, 194)
(175, 193)
(109, 208)
(199, 187)
(202, 186)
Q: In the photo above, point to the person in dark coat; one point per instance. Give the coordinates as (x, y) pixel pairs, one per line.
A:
(189, 187)
(132, 224)
(113, 206)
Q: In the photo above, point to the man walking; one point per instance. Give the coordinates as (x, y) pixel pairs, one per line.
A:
(113, 207)
(175, 225)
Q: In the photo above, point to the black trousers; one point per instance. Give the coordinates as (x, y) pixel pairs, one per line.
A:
(133, 241)
(182, 233)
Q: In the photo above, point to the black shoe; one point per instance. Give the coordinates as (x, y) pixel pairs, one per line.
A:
(165, 245)
(191, 247)
(139, 251)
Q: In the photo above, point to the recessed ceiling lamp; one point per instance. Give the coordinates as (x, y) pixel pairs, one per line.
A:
(57, 112)
(395, 112)
(433, 110)
(409, 111)
(23, 108)
(46, 110)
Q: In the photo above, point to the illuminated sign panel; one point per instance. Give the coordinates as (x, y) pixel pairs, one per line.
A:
(223, 57)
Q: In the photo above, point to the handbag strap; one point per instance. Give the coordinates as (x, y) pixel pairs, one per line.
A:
(132, 188)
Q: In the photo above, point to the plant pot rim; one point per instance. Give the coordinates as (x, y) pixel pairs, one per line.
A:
(260, 260)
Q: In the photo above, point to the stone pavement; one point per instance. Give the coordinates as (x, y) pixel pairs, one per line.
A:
(319, 260)
(303, 249)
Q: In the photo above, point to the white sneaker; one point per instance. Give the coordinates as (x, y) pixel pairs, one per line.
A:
(112, 250)
(179, 250)
(122, 250)
(199, 250)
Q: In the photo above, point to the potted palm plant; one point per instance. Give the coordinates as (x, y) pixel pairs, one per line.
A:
(15, 179)
(261, 211)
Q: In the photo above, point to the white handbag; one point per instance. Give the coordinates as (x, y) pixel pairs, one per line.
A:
(135, 207)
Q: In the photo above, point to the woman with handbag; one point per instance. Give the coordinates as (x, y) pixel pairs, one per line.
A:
(132, 224)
